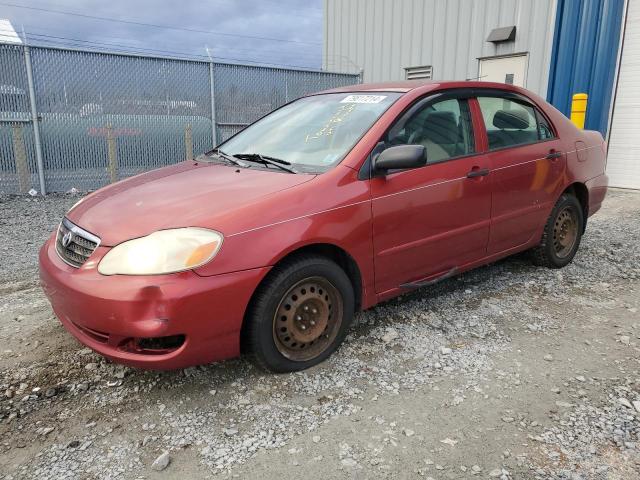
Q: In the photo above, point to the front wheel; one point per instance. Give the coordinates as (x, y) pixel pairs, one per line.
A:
(299, 315)
(562, 234)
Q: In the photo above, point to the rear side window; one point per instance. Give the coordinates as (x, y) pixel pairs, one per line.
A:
(510, 122)
(443, 127)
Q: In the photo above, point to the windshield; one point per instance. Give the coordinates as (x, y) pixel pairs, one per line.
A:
(313, 133)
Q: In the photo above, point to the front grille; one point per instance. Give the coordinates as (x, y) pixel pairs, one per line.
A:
(73, 244)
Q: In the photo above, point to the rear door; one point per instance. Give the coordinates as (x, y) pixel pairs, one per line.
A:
(527, 164)
(429, 221)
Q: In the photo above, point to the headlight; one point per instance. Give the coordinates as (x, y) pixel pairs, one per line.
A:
(165, 251)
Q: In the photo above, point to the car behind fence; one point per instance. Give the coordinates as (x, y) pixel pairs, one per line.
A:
(81, 119)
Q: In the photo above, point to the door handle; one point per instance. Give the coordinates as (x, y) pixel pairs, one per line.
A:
(553, 155)
(478, 172)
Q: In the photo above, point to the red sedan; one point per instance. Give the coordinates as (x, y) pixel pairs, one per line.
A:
(268, 244)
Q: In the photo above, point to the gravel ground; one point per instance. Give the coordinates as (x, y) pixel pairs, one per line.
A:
(509, 371)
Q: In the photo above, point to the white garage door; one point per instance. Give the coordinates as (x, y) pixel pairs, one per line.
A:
(623, 164)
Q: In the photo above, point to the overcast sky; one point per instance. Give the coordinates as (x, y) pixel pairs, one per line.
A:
(298, 22)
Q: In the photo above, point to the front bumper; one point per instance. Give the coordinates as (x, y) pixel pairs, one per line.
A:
(106, 312)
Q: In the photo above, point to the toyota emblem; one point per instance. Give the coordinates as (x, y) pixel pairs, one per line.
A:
(66, 240)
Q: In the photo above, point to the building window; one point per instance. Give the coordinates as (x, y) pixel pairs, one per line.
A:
(418, 73)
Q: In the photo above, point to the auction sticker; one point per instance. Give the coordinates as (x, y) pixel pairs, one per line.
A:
(363, 99)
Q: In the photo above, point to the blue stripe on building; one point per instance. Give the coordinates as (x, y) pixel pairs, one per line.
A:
(583, 60)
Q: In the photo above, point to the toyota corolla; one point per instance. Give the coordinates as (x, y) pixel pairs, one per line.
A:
(269, 244)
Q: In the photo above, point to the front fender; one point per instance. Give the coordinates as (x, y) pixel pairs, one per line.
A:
(347, 227)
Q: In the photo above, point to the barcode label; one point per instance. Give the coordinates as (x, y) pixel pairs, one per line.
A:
(363, 99)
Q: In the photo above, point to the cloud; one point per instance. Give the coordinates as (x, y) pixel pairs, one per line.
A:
(297, 22)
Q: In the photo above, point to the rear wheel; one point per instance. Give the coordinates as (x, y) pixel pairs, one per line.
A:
(299, 315)
(562, 234)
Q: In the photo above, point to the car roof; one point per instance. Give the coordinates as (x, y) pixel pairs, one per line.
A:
(426, 86)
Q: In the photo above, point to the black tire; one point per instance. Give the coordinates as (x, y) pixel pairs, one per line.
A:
(557, 249)
(270, 349)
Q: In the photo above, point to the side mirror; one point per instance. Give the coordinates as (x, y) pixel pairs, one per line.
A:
(400, 157)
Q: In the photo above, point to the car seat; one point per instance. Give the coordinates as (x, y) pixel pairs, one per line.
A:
(440, 135)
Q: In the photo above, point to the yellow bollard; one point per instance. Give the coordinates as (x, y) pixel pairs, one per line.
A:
(579, 109)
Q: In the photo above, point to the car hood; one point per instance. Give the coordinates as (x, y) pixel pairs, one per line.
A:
(188, 194)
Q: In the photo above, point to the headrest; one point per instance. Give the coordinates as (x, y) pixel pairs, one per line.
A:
(511, 119)
(441, 127)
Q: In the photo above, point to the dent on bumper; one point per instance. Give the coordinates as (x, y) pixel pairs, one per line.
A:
(208, 311)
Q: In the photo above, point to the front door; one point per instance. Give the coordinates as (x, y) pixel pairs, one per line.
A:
(430, 221)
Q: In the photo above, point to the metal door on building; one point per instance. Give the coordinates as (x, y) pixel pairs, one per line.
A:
(510, 69)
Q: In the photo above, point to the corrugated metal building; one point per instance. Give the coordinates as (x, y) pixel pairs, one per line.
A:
(387, 37)
(553, 47)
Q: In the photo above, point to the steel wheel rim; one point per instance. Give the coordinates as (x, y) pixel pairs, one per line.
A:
(565, 232)
(307, 319)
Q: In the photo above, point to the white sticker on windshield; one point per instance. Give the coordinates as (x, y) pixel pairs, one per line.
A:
(363, 99)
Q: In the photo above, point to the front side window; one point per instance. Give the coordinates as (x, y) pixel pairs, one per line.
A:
(313, 133)
(511, 122)
(443, 127)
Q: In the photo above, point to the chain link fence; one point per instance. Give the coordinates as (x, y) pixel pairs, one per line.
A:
(245, 93)
(106, 116)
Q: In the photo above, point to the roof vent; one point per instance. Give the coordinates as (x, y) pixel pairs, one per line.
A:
(418, 73)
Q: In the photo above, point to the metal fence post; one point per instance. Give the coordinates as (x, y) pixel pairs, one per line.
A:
(20, 158)
(214, 133)
(34, 119)
(112, 153)
(188, 142)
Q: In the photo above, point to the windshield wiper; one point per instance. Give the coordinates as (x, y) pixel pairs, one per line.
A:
(267, 160)
(225, 156)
